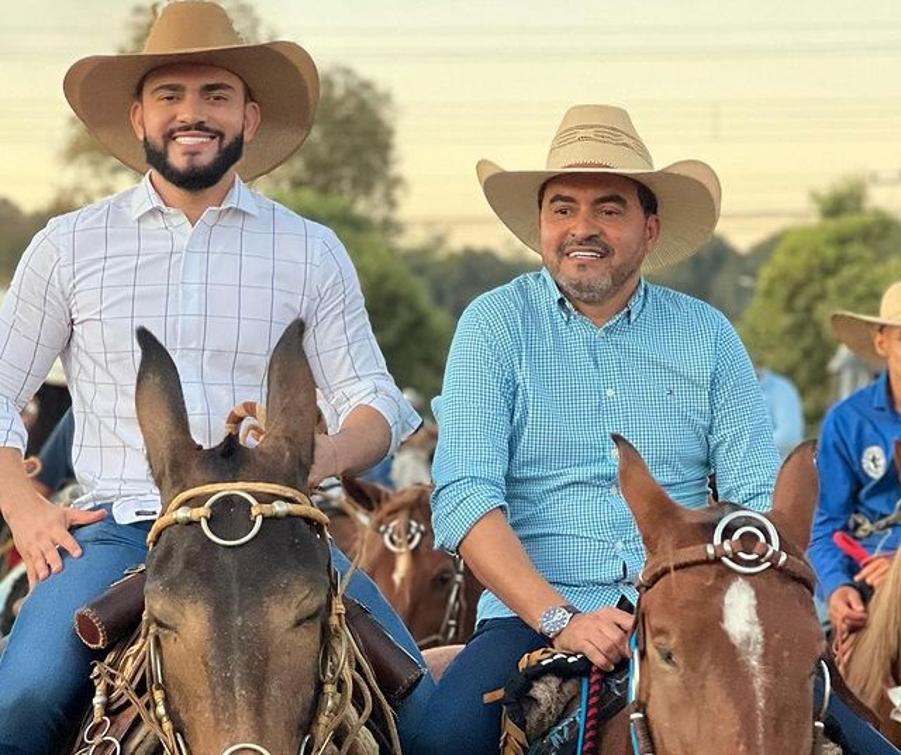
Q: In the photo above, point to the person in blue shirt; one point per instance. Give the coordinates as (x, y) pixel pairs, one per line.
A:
(859, 476)
(786, 412)
(541, 372)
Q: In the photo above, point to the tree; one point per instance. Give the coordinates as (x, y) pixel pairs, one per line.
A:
(455, 278)
(349, 153)
(847, 197)
(840, 263)
(413, 333)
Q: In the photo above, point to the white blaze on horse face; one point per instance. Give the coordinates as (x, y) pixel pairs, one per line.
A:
(742, 625)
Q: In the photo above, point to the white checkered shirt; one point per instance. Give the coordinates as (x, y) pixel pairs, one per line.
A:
(218, 295)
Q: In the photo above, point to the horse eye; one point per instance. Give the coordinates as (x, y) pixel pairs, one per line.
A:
(306, 617)
(666, 655)
(444, 578)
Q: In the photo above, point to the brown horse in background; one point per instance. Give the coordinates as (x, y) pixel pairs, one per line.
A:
(434, 594)
(871, 665)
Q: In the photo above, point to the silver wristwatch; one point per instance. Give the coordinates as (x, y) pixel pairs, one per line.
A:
(553, 620)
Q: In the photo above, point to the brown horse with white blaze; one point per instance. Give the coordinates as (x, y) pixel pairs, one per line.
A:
(240, 632)
(725, 659)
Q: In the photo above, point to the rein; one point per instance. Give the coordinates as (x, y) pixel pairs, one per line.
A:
(343, 670)
(762, 555)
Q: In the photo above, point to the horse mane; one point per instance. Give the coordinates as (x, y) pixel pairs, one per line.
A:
(878, 648)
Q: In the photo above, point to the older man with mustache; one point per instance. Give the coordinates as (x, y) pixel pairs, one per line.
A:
(543, 370)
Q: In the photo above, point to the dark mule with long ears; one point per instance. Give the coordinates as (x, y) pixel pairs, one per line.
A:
(239, 638)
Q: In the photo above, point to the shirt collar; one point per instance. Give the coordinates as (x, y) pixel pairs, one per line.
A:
(146, 198)
(632, 310)
(880, 396)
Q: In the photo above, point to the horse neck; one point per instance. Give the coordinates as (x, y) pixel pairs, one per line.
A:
(877, 649)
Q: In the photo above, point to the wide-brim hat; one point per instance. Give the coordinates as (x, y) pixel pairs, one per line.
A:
(856, 331)
(281, 77)
(602, 139)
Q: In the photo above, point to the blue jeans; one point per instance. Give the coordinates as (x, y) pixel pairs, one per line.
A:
(44, 684)
(455, 719)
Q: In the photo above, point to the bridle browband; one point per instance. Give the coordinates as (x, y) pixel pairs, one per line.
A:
(765, 553)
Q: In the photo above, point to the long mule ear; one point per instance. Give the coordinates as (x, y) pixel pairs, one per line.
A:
(291, 411)
(656, 514)
(796, 494)
(162, 416)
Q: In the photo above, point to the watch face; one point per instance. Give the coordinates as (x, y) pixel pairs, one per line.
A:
(554, 620)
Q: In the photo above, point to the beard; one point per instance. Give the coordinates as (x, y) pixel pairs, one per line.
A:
(199, 177)
(601, 286)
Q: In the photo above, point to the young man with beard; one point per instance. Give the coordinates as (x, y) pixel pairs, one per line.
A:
(543, 370)
(217, 272)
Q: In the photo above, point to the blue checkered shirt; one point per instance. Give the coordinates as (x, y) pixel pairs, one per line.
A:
(532, 392)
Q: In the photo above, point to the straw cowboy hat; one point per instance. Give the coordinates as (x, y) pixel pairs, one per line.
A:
(856, 331)
(281, 76)
(602, 139)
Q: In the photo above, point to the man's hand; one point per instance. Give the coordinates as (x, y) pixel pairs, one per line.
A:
(325, 459)
(39, 529)
(874, 571)
(846, 609)
(602, 636)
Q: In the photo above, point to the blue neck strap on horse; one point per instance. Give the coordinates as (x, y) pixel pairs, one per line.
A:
(633, 687)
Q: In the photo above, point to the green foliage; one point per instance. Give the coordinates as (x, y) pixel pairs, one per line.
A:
(840, 263)
(847, 197)
(350, 151)
(413, 333)
(455, 279)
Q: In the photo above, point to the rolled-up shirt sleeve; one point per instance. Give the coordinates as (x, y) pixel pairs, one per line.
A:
(838, 492)
(742, 451)
(474, 424)
(35, 326)
(347, 364)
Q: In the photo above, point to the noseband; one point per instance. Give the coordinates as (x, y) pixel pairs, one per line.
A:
(729, 551)
(342, 668)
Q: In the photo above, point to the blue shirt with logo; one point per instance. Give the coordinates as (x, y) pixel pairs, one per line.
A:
(858, 474)
(532, 392)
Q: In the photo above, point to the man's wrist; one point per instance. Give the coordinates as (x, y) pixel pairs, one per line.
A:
(554, 619)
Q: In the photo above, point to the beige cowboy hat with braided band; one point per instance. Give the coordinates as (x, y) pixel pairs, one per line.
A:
(281, 77)
(856, 331)
(602, 139)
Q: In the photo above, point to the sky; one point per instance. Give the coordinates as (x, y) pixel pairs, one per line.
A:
(781, 98)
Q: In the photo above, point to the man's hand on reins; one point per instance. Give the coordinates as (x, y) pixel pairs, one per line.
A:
(602, 636)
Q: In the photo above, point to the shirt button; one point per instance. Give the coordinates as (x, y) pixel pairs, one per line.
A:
(611, 392)
(619, 545)
(614, 453)
(614, 488)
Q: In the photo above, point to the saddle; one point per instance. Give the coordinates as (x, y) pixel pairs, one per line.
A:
(116, 614)
(555, 701)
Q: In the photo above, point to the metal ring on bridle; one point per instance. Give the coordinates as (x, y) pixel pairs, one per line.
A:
(246, 746)
(98, 736)
(257, 520)
(763, 530)
(392, 541)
